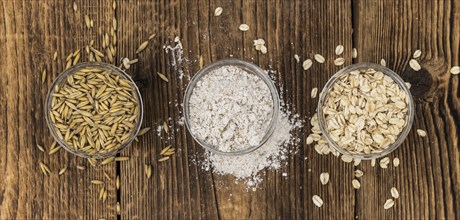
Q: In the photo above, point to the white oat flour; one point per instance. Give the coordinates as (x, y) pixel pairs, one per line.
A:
(232, 109)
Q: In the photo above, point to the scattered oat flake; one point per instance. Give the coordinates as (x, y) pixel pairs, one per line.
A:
(346, 158)
(356, 184)
(319, 58)
(455, 70)
(408, 84)
(317, 200)
(297, 58)
(383, 62)
(421, 133)
(394, 192)
(339, 61)
(389, 203)
(373, 162)
(357, 161)
(163, 77)
(339, 49)
(324, 178)
(244, 27)
(384, 162)
(359, 173)
(75, 7)
(396, 162)
(263, 49)
(307, 64)
(414, 65)
(314, 92)
(417, 54)
(354, 53)
(218, 11)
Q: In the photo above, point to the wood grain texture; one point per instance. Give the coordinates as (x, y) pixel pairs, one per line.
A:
(30, 33)
(427, 179)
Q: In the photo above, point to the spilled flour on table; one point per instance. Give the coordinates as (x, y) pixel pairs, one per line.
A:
(271, 155)
(248, 168)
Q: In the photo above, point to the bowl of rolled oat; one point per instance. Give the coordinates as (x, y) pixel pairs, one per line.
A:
(365, 111)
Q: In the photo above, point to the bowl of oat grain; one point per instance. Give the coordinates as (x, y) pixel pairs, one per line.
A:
(365, 111)
(94, 110)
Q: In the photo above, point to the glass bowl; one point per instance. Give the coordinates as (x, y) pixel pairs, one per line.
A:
(250, 68)
(401, 137)
(63, 77)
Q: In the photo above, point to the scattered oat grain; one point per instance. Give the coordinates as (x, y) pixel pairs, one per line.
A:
(163, 159)
(40, 148)
(163, 77)
(142, 46)
(62, 171)
(43, 76)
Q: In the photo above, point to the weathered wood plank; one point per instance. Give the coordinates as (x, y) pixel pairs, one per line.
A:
(206, 195)
(31, 31)
(428, 177)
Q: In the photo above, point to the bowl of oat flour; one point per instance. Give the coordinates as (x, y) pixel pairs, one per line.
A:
(231, 107)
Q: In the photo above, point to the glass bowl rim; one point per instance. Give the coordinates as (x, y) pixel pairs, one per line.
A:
(61, 77)
(386, 71)
(252, 69)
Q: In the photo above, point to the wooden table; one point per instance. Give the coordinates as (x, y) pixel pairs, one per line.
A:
(428, 177)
